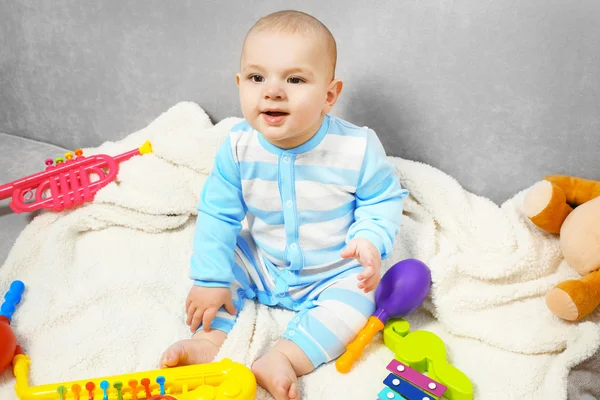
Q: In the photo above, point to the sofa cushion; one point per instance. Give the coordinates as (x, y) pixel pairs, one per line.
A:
(19, 157)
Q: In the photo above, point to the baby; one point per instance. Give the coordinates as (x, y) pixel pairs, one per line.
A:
(322, 202)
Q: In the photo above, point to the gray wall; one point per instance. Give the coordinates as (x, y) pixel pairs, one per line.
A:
(496, 93)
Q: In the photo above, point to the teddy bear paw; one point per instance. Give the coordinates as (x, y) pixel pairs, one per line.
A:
(562, 305)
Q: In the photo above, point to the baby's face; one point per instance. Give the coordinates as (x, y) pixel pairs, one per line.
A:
(286, 86)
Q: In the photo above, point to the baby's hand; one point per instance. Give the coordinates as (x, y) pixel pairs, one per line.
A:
(366, 253)
(203, 303)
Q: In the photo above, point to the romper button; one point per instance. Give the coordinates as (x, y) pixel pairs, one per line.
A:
(281, 295)
(293, 246)
(288, 203)
(292, 333)
(286, 159)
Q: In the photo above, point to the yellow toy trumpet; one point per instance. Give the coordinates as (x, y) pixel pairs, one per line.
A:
(222, 380)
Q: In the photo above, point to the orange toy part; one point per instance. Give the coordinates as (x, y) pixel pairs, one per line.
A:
(566, 192)
(354, 350)
(554, 214)
(577, 190)
(574, 299)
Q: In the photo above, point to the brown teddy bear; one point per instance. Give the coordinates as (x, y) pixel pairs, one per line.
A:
(571, 206)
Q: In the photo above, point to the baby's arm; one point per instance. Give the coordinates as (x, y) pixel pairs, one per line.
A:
(220, 214)
(379, 197)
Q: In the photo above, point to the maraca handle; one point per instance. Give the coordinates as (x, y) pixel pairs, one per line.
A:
(11, 299)
(354, 350)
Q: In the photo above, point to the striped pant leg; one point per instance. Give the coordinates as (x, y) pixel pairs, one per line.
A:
(340, 311)
(249, 278)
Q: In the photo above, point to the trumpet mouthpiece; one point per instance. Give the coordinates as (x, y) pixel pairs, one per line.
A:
(146, 148)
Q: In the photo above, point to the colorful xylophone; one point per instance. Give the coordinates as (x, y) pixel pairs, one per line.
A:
(416, 353)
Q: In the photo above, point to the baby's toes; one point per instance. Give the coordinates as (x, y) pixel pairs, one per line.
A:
(171, 356)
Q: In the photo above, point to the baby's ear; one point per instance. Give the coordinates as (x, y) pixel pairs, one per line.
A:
(333, 93)
(238, 77)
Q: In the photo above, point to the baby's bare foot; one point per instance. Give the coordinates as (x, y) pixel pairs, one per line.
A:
(275, 373)
(189, 351)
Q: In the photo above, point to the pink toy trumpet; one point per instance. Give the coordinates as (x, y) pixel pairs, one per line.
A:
(66, 184)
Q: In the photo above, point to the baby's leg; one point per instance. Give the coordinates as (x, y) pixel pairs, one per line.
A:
(316, 335)
(204, 346)
(279, 369)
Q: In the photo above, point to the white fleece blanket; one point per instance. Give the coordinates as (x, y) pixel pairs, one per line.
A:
(106, 283)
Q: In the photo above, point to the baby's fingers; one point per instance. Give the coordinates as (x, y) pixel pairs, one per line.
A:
(190, 311)
(209, 314)
(350, 250)
(368, 272)
(367, 257)
(230, 308)
(370, 283)
(196, 319)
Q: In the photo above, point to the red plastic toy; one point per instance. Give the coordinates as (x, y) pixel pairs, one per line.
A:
(8, 341)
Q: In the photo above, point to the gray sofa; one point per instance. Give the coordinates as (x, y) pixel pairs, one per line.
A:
(495, 93)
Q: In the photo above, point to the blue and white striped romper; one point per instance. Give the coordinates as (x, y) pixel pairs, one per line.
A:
(302, 206)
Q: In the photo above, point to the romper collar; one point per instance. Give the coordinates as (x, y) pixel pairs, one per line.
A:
(303, 148)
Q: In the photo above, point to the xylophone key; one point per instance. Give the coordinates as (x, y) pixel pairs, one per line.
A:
(424, 382)
(406, 388)
(388, 394)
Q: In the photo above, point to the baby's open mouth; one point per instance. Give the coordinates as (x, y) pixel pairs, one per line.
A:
(275, 113)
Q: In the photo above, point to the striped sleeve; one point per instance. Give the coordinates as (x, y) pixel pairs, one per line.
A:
(220, 214)
(379, 198)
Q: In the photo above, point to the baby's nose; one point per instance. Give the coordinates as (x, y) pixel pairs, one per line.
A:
(274, 91)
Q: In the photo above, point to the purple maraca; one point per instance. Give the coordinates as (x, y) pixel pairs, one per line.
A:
(402, 289)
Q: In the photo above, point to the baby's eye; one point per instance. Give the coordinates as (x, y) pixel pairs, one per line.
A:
(256, 78)
(295, 80)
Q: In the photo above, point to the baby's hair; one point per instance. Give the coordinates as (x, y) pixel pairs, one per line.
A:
(292, 22)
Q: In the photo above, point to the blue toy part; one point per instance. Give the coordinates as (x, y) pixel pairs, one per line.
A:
(406, 389)
(388, 394)
(104, 385)
(11, 299)
(161, 382)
